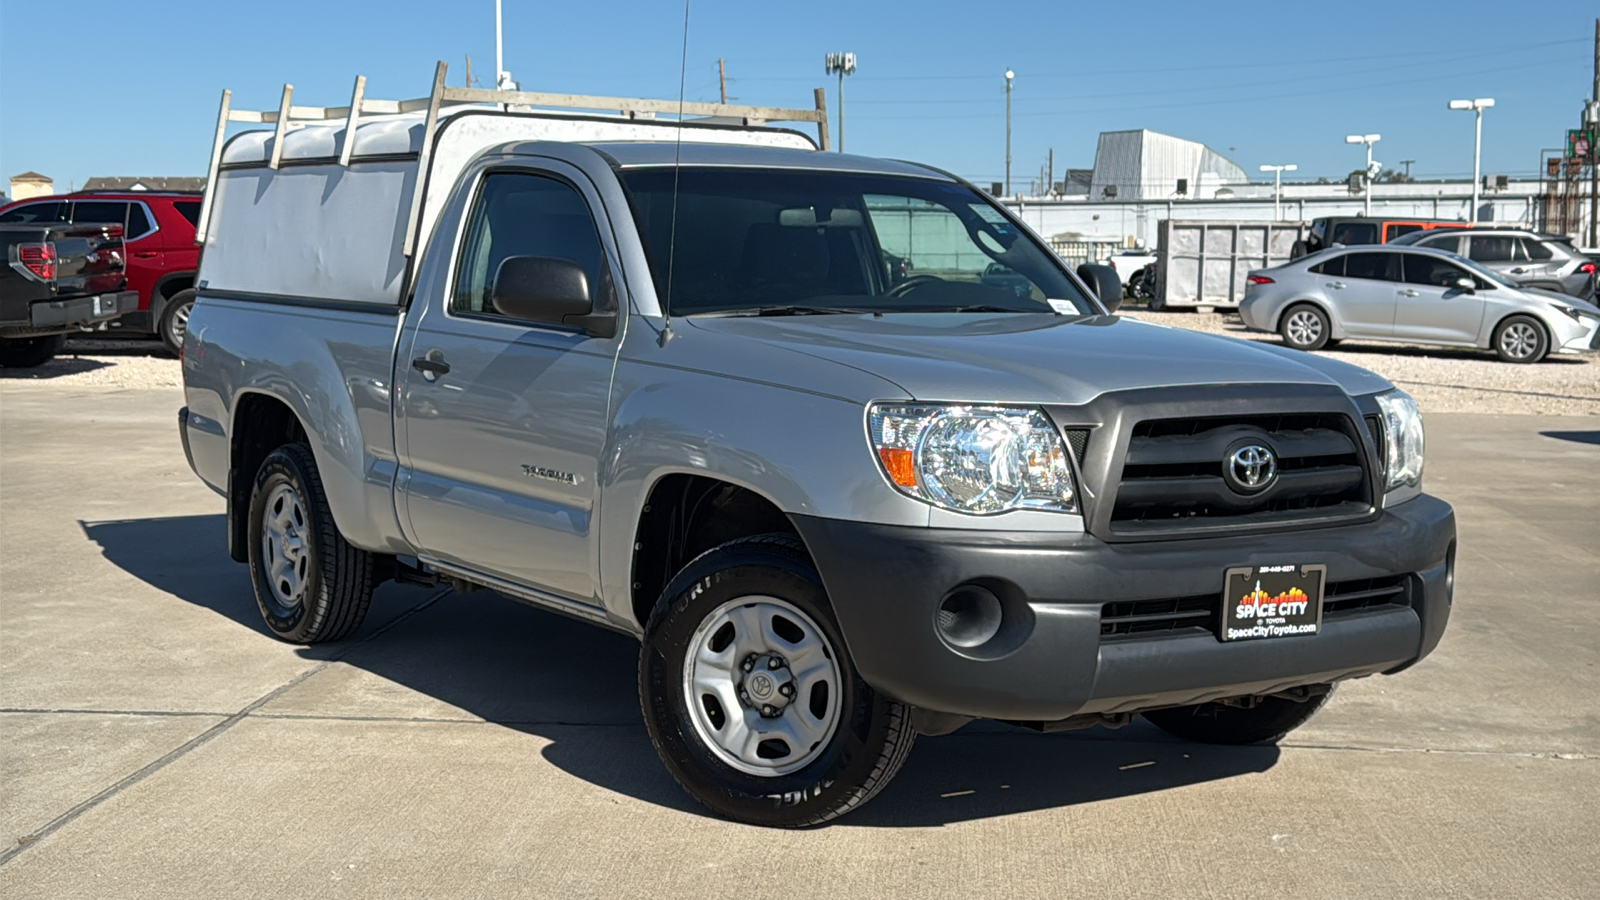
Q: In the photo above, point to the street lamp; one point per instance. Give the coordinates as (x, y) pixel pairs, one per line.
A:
(1477, 106)
(1277, 186)
(1369, 140)
(502, 78)
(844, 64)
(1009, 75)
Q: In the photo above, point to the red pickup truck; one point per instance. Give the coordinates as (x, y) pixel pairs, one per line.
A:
(161, 256)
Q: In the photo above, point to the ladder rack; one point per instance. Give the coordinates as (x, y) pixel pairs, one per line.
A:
(288, 115)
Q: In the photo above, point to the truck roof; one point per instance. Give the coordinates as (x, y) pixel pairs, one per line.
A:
(645, 154)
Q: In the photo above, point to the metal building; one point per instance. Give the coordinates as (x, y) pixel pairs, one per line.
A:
(1147, 165)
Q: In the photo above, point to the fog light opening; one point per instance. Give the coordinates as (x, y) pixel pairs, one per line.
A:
(969, 616)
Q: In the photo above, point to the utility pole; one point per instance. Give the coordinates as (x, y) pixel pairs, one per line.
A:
(1050, 172)
(722, 81)
(1407, 163)
(844, 64)
(1009, 75)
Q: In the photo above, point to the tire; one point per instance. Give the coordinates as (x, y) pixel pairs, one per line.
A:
(1521, 339)
(861, 737)
(1305, 326)
(29, 353)
(1216, 723)
(175, 320)
(1298, 249)
(310, 584)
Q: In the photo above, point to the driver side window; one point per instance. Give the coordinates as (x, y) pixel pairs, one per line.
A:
(520, 214)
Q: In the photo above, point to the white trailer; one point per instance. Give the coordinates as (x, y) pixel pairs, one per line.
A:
(1204, 264)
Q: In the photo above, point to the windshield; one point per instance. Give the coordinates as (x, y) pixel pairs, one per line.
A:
(1482, 271)
(752, 240)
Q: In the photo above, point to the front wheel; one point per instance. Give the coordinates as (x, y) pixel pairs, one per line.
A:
(1305, 327)
(749, 695)
(1521, 339)
(1219, 723)
(310, 584)
(29, 353)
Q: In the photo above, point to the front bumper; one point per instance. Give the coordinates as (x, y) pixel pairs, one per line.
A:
(886, 584)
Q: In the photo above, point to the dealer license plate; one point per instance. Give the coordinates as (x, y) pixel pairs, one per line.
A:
(1272, 602)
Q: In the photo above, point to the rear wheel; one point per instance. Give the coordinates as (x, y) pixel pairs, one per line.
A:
(175, 320)
(1305, 327)
(749, 695)
(1521, 339)
(310, 584)
(28, 353)
(1218, 723)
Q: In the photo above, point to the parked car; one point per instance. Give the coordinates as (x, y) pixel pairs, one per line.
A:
(161, 256)
(1417, 295)
(999, 275)
(1524, 258)
(1347, 231)
(837, 512)
(60, 279)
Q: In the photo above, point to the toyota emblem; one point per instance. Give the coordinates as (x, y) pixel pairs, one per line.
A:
(1251, 468)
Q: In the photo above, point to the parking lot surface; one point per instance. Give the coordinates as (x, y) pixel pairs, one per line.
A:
(156, 742)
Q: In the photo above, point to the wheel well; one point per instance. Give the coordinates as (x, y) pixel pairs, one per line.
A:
(1549, 338)
(686, 515)
(173, 284)
(261, 424)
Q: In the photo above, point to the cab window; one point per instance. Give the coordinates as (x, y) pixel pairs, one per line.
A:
(1349, 233)
(1395, 229)
(523, 215)
(1493, 248)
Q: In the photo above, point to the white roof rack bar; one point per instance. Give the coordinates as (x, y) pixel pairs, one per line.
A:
(351, 120)
(432, 122)
(282, 127)
(288, 115)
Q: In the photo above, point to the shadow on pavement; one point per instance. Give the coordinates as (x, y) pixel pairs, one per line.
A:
(55, 368)
(575, 686)
(1577, 437)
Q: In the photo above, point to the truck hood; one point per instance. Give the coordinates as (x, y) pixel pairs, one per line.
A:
(1027, 358)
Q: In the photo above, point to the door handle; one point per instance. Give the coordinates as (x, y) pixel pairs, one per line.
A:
(1408, 293)
(145, 254)
(1518, 270)
(1336, 285)
(432, 365)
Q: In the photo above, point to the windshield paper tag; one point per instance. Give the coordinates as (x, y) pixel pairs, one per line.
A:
(1063, 307)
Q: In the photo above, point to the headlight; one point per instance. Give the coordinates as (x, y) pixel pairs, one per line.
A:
(974, 459)
(1571, 312)
(1402, 431)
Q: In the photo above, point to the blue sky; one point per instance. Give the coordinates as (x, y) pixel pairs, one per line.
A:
(122, 90)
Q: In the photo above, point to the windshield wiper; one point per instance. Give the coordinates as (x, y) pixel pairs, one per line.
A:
(977, 308)
(786, 311)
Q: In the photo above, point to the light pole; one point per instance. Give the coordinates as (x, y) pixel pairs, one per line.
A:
(1009, 75)
(1477, 106)
(1369, 140)
(502, 78)
(1277, 187)
(844, 64)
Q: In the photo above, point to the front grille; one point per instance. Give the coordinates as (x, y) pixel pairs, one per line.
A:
(1172, 476)
(1202, 613)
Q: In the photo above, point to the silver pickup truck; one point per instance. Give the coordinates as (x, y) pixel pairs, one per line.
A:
(677, 385)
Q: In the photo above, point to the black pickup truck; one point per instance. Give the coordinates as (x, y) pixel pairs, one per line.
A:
(60, 279)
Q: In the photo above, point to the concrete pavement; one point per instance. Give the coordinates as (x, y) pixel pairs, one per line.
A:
(155, 742)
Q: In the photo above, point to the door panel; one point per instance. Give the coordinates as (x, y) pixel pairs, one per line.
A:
(1364, 296)
(1431, 308)
(500, 453)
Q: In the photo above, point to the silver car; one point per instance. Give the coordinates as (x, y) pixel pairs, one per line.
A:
(1524, 258)
(1414, 295)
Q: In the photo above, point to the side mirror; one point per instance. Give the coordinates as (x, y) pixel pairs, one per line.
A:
(1465, 285)
(548, 289)
(1105, 283)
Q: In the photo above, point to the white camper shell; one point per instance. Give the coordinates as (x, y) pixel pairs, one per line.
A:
(330, 203)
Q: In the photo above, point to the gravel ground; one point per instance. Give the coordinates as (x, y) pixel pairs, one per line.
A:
(1442, 380)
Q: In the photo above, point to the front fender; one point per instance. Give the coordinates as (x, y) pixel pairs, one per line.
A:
(805, 452)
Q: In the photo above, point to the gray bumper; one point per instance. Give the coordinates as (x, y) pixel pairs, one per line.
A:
(1051, 661)
(81, 311)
